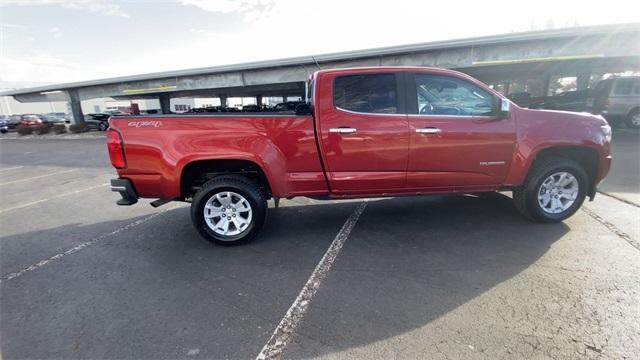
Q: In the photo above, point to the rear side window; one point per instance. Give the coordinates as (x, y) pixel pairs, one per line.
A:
(374, 93)
(623, 87)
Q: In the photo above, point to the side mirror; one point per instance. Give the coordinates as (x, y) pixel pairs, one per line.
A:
(504, 108)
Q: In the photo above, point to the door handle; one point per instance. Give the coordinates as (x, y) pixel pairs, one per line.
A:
(429, 130)
(342, 130)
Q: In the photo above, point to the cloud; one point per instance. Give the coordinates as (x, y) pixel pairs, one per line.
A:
(43, 68)
(104, 7)
(55, 32)
(248, 8)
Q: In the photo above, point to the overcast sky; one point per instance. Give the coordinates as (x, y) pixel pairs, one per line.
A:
(71, 40)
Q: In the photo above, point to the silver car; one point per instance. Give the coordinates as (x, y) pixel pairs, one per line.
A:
(618, 100)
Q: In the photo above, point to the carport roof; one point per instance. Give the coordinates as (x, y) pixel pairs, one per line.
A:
(347, 55)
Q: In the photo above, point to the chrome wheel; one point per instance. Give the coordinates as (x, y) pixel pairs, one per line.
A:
(635, 120)
(558, 192)
(228, 213)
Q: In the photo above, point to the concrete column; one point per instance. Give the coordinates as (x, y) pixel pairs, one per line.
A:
(76, 107)
(223, 100)
(259, 100)
(583, 78)
(284, 99)
(545, 84)
(165, 103)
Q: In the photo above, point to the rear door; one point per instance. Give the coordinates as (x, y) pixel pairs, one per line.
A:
(457, 139)
(364, 132)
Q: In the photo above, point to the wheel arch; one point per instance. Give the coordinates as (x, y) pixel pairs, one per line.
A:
(587, 157)
(198, 171)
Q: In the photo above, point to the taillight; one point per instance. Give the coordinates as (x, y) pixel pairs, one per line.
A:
(116, 150)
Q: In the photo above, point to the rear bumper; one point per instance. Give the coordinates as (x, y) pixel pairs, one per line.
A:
(126, 190)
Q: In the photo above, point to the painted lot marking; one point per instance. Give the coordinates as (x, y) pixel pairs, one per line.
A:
(40, 176)
(11, 168)
(287, 326)
(51, 198)
(79, 247)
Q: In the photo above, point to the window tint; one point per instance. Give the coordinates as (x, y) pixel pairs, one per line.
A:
(366, 93)
(623, 87)
(445, 95)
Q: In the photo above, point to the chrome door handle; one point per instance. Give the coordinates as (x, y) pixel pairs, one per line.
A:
(429, 130)
(342, 130)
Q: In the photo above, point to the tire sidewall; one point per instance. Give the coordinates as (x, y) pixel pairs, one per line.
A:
(536, 182)
(257, 220)
(629, 119)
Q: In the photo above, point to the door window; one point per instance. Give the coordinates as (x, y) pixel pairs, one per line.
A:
(446, 95)
(623, 86)
(371, 93)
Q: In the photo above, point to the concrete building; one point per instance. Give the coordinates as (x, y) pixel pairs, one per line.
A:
(540, 62)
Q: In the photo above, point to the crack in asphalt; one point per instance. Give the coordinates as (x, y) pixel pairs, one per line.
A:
(621, 234)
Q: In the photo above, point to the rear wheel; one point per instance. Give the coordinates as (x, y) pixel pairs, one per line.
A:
(633, 119)
(103, 126)
(229, 210)
(554, 190)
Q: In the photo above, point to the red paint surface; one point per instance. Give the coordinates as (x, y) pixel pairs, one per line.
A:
(384, 157)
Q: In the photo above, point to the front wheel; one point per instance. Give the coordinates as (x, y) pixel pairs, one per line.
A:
(229, 210)
(103, 126)
(554, 190)
(633, 119)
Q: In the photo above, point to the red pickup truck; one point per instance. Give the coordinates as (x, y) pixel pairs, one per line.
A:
(367, 132)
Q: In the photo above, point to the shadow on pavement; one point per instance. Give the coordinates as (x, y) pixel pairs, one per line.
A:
(160, 291)
(410, 261)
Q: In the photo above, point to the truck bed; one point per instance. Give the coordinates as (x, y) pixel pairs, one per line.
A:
(157, 149)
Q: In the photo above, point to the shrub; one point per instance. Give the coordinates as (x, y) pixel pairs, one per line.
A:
(78, 128)
(24, 130)
(42, 129)
(59, 129)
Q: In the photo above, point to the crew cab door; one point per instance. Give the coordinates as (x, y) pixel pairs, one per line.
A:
(364, 132)
(457, 138)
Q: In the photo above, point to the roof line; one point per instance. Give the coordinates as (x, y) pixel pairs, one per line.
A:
(345, 55)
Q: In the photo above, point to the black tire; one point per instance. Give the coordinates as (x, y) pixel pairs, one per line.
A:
(525, 197)
(4, 131)
(103, 126)
(239, 185)
(632, 121)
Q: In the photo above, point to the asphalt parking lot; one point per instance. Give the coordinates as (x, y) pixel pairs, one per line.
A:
(441, 277)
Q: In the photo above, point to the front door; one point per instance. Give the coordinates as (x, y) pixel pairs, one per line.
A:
(364, 133)
(457, 139)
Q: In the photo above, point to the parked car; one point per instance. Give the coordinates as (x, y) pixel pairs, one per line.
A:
(618, 100)
(252, 108)
(97, 121)
(57, 117)
(49, 119)
(566, 101)
(4, 124)
(379, 131)
(31, 119)
(522, 99)
(287, 106)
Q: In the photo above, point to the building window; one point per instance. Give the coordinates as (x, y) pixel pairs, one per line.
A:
(182, 107)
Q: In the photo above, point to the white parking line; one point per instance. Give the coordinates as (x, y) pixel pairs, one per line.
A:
(39, 176)
(12, 168)
(287, 326)
(79, 247)
(51, 198)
